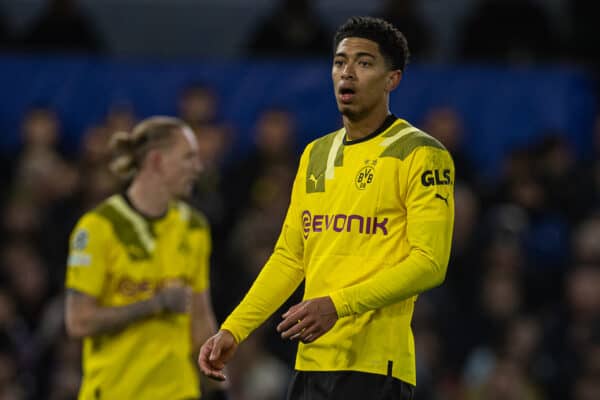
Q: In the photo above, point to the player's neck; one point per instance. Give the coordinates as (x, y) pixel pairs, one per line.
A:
(360, 128)
(149, 198)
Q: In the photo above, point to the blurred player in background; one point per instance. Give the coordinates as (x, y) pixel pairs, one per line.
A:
(138, 272)
(369, 227)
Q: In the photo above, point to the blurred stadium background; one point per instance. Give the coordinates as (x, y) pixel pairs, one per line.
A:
(510, 87)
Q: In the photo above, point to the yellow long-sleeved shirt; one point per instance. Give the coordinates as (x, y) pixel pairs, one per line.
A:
(369, 224)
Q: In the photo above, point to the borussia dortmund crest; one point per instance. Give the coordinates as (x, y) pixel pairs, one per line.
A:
(365, 175)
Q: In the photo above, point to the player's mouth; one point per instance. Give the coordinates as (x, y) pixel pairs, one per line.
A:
(346, 95)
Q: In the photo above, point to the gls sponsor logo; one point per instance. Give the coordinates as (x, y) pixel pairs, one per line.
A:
(430, 178)
(342, 222)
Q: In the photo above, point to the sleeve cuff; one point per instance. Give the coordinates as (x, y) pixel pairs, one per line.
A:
(226, 327)
(341, 305)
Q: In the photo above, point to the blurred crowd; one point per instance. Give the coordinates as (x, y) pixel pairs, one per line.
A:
(513, 31)
(517, 318)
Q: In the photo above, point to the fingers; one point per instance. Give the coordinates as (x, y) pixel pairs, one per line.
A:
(178, 298)
(211, 367)
(293, 331)
(215, 352)
(213, 373)
(287, 323)
(203, 359)
(295, 322)
(293, 316)
(308, 338)
(292, 309)
(308, 320)
(305, 335)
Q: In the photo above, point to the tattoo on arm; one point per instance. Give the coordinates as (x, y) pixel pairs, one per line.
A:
(86, 317)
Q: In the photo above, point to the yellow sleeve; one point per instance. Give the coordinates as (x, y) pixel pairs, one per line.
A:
(87, 262)
(280, 276)
(428, 175)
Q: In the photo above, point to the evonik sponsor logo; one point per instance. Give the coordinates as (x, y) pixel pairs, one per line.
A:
(343, 223)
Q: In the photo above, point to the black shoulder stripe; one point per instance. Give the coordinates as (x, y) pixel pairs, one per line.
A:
(124, 230)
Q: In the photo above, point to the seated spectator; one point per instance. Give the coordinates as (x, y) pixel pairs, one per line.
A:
(506, 380)
(274, 145)
(446, 125)
(198, 104)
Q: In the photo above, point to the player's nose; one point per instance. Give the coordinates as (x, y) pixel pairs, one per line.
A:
(348, 71)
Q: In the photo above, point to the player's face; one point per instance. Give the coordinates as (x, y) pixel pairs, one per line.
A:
(362, 79)
(181, 164)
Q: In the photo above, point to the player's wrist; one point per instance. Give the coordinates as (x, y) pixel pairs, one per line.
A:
(342, 308)
(158, 304)
(226, 331)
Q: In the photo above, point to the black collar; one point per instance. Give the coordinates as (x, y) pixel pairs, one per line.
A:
(389, 120)
(147, 217)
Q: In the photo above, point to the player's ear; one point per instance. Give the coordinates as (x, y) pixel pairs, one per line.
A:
(393, 80)
(154, 160)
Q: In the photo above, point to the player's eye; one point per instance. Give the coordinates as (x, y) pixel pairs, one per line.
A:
(364, 63)
(338, 63)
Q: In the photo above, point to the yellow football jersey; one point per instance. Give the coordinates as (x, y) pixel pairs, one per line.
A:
(119, 257)
(370, 224)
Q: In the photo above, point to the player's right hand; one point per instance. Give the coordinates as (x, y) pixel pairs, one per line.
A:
(176, 298)
(215, 353)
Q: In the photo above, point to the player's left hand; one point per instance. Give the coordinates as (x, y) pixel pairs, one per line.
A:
(308, 320)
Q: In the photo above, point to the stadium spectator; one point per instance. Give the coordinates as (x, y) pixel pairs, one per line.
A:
(214, 145)
(274, 146)
(198, 104)
(444, 124)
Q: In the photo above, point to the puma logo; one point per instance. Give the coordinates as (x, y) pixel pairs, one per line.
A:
(439, 196)
(313, 179)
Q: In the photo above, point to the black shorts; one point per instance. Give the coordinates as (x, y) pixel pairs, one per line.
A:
(347, 385)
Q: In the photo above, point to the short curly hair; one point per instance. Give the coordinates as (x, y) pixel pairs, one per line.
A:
(392, 43)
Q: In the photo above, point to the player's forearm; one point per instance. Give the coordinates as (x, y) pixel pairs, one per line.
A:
(414, 275)
(98, 320)
(276, 282)
(423, 269)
